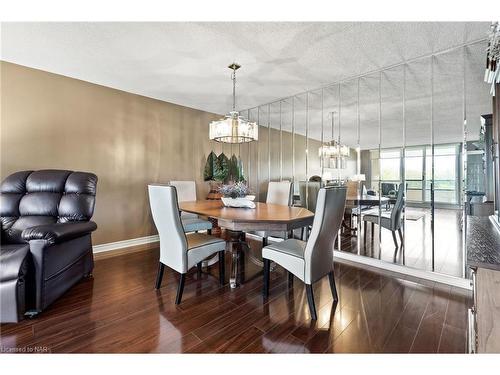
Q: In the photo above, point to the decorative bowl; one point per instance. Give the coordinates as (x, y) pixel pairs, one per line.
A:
(238, 202)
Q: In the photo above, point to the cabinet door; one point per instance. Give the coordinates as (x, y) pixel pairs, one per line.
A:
(488, 311)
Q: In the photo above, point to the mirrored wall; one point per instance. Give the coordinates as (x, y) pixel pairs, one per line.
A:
(400, 139)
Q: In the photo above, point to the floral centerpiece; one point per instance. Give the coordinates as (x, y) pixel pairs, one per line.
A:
(238, 190)
(236, 195)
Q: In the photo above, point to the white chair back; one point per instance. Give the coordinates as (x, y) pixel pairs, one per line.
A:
(328, 217)
(279, 193)
(186, 190)
(165, 211)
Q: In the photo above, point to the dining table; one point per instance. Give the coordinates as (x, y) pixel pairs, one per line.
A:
(238, 221)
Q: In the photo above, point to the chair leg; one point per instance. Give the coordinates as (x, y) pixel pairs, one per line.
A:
(265, 242)
(403, 248)
(159, 275)
(267, 270)
(222, 267)
(180, 289)
(209, 231)
(394, 238)
(365, 224)
(310, 301)
(373, 231)
(401, 237)
(333, 287)
(198, 271)
(290, 279)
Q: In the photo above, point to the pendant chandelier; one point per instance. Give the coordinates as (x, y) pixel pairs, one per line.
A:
(335, 152)
(233, 128)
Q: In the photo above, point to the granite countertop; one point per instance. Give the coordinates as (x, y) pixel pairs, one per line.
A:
(483, 243)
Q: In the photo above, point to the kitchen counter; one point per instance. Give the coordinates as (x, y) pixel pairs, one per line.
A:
(483, 243)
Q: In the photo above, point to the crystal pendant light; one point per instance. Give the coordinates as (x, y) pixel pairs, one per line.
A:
(233, 128)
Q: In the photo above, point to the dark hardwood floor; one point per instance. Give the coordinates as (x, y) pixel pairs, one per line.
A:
(119, 311)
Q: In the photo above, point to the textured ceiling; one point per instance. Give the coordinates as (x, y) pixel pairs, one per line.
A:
(186, 63)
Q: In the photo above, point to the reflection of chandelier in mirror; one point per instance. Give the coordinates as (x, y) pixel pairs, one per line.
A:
(334, 152)
(233, 128)
(492, 73)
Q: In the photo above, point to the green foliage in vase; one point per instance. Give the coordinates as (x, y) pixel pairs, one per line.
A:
(233, 169)
(210, 165)
(241, 173)
(221, 170)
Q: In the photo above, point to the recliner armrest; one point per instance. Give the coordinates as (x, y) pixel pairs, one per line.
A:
(59, 232)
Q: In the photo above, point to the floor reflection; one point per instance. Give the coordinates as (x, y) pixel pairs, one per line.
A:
(417, 249)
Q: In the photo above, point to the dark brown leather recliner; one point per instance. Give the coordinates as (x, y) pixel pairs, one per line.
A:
(46, 244)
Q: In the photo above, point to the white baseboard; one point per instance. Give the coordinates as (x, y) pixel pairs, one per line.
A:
(118, 245)
(340, 255)
(405, 271)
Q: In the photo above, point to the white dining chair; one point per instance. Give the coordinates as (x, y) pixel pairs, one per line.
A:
(186, 192)
(178, 250)
(311, 260)
(277, 193)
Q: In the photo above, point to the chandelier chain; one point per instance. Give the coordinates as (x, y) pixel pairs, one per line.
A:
(233, 77)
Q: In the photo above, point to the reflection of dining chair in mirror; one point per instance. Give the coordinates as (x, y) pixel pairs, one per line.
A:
(308, 200)
(350, 208)
(178, 250)
(277, 193)
(311, 260)
(390, 220)
(389, 190)
(308, 192)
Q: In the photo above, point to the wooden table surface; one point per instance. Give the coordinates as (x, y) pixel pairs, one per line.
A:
(264, 216)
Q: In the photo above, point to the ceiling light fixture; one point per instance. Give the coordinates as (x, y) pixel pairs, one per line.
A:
(233, 128)
(334, 151)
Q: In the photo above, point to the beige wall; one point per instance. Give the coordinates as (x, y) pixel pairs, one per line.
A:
(51, 121)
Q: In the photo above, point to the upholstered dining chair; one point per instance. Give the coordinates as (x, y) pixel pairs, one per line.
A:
(311, 260)
(390, 220)
(277, 193)
(186, 192)
(178, 250)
